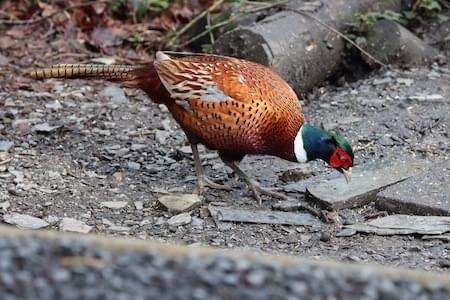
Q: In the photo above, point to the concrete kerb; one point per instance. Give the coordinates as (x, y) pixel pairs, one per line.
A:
(133, 245)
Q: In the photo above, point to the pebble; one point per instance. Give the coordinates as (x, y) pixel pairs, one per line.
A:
(138, 147)
(115, 94)
(114, 204)
(325, 237)
(133, 165)
(386, 141)
(55, 105)
(5, 146)
(139, 205)
(23, 221)
(45, 127)
(52, 220)
(5, 205)
(161, 136)
(179, 220)
(180, 202)
(197, 222)
(73, 225)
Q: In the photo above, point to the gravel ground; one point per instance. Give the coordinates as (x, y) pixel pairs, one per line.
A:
(68, 269)
(73, 148)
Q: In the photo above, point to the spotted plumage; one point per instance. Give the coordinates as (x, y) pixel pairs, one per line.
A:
(234, 106)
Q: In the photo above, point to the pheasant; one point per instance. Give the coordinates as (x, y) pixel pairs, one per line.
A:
(234, 106)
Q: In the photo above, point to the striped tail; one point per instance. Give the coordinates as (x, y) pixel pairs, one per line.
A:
(108, 72)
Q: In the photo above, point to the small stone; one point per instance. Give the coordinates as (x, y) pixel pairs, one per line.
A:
(119, 228)
(444, 263)
(386, 141)
(114, 204)
(137, 147)
(118, 176)
(405, 81)
(325, 237)
(346, 232)
(180, 203)
(197, 222)
(52, 220)
(139, 205)
(5, 205)
(382, 81)
(5, 146)
(133, 165)
(115, 94)
(23, 221)
(161, 136)
(45, 127)
(3, 156)
(73, 225)
(414, 249)
(179, 220)
(55, 105)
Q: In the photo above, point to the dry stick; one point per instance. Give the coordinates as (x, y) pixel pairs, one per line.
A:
(38, 20)
(193, 21)
(334, 30)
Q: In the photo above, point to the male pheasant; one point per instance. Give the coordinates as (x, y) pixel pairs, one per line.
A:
(234, 106)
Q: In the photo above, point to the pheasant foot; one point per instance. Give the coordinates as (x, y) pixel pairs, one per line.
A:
(253, 185)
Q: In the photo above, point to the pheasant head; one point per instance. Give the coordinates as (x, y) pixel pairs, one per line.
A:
(314, 143)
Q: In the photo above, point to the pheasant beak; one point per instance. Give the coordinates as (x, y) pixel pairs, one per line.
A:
(347, 174)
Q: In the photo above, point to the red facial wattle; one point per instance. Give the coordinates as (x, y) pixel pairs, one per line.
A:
(340, 159)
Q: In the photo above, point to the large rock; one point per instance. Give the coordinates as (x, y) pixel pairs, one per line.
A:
(425, 194)
(365, 184)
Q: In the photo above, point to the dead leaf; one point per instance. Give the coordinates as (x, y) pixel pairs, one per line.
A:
(108, 37)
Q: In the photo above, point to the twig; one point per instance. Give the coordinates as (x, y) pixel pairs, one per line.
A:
(193, 21)
(211, 34)
(210, 28)
(266, 6)
(41, 19)
(337, 32)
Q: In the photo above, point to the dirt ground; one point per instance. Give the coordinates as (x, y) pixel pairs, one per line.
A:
(89, 148)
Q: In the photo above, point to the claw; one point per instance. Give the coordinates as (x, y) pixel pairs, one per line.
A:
(204, 182)
(258, 191)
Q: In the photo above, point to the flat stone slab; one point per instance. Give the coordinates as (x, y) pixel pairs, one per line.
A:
(424, 194)
(403, 224)
(364, 186)
(227, 214)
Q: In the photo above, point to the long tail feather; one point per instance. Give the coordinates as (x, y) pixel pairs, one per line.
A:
(109, 72)
(143, 77)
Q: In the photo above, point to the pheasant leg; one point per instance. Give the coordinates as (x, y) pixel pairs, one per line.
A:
(252, 184)
(203, 180)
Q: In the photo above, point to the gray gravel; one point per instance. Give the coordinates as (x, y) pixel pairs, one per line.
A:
(68, 269)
